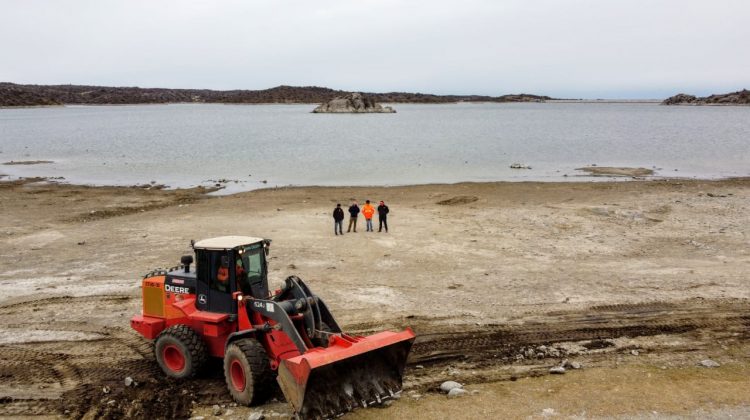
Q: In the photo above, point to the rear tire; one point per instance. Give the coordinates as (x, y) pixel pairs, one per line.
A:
(248, 375)
(180, 351)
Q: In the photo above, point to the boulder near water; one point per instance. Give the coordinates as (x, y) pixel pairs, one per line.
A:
(353, 103)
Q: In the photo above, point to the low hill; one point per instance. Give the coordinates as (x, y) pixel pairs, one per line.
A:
(741, 97)
(12, 94)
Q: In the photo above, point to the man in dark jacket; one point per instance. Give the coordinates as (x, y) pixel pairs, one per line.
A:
(353, 213)
(382, 217)
(338, 220)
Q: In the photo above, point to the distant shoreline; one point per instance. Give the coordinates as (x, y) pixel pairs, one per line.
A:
(17, 95)
(14, 95)
(550, 101)
(8, 180)
(604, 101)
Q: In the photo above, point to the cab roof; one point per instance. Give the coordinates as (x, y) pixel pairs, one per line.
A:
(226, 242)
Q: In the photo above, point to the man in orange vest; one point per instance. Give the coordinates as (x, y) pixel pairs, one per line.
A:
(368, 210)
(222, 274)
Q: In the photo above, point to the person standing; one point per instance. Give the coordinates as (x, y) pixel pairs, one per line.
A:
(382, 217)
(353, 213)
(368, 210)
(338, 220)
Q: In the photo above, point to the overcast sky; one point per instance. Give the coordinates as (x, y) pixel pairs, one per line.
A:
(562, 48)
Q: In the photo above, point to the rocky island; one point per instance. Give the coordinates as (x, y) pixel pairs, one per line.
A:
(741, 97)
(353, 103)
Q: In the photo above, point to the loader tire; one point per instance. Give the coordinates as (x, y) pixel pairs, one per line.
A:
(180, 352)
(247, 372)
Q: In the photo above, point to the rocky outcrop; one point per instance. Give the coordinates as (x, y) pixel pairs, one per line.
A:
(353, 103)
(741, 97)
(679, 99)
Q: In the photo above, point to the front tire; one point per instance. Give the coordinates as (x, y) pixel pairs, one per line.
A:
(247, 372)
(180, 351)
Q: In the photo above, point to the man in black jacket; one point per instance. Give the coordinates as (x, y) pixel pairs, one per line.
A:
(382, 217)
(338, 220)
(353, 213)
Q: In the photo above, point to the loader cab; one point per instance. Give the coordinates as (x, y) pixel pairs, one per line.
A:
(226, 265)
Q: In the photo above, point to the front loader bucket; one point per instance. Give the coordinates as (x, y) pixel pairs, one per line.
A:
(350, 372)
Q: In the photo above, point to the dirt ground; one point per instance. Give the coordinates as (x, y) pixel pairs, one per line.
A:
(637, 281)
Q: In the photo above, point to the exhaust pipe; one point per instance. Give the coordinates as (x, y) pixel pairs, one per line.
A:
(186, 260)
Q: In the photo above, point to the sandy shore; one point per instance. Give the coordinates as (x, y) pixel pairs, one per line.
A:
(637, 281)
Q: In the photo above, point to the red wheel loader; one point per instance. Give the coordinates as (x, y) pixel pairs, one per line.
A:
(224, 309)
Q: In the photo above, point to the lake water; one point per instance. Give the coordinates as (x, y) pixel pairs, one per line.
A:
(192, 144)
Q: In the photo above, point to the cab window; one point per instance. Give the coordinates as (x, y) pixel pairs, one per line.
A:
(250, 269)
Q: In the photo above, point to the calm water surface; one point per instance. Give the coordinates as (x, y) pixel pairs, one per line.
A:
(192, 144)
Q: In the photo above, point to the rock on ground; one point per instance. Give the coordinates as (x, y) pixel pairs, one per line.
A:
(256, 416)
(447, 386)
(572, 365)
(709, 363)
(457, 392)
(558, 370)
